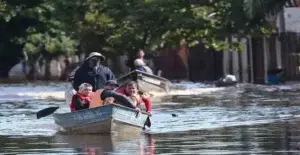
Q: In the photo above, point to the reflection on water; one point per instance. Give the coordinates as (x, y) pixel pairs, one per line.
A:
(79, 144)
(275, 138)
(247, 119)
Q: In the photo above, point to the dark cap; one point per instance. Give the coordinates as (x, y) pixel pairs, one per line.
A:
(111, 82)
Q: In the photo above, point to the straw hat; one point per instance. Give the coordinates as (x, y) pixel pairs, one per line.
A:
(96, 54)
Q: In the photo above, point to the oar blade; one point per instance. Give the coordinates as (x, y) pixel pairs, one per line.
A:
(46, 112)
(148, 122)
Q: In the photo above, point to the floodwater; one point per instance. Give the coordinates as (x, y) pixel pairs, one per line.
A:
(196, 119)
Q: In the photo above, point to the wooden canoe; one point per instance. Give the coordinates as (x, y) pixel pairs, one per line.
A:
(146, 82)
(112, 118)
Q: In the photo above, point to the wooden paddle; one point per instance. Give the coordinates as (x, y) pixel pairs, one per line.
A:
(46, 112)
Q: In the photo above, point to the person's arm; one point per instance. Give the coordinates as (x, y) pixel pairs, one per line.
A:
(118, 97)
(148, 104)
(78, 103)
(110, 75)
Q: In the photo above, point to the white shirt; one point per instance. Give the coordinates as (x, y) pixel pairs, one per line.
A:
(69, 94)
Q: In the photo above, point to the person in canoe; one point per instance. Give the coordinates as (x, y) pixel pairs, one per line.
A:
(81, 100)
(141, 66)
(137, 98)
(70, 91)
(93, 72)
(108, 96)
(139, 55)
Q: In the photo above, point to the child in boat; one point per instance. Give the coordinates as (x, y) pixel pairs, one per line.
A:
(137, 99)
(81, 100)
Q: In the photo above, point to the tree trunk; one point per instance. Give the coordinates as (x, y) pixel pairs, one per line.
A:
(33, 63)
(47, 69)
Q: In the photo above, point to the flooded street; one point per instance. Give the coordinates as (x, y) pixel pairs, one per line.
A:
(197, 119)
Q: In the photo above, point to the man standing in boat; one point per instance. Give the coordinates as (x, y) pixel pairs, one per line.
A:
(93, 72)
(141, 66)
(139, 55)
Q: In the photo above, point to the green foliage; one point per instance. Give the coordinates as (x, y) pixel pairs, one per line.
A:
(53, 46)
(43, 34)
(2, 7)
(58, 26)
(254, 8)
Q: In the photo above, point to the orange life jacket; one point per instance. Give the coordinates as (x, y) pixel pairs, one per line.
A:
(97, 101)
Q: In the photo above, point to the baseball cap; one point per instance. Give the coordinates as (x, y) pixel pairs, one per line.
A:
(112, 82)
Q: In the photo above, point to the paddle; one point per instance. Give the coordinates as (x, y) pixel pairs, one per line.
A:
(45, 112)
(148, 122)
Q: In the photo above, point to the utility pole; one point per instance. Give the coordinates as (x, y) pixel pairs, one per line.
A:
(281, 22)
(280, 39)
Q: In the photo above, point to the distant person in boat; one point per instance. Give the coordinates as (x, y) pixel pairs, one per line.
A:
(141, 66)
(228, 80)
(139, 55)
(108, 96)
(137, 98)
(93, 72)
(81, 100)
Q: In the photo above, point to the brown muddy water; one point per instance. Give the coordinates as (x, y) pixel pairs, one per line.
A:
(248, 119)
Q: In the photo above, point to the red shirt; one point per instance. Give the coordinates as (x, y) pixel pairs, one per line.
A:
(82, 97)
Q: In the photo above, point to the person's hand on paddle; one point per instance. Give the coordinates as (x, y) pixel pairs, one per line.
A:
(137, 109)
(149, 112)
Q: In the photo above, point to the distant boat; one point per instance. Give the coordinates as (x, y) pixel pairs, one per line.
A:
(112, 118)
(146, 82)
(220, 83)
(228, 80)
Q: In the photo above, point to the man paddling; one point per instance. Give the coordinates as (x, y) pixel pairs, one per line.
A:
(139, 55)
(93, 72)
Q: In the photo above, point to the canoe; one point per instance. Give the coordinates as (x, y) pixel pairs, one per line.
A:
(107, 119)
(146, 82)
